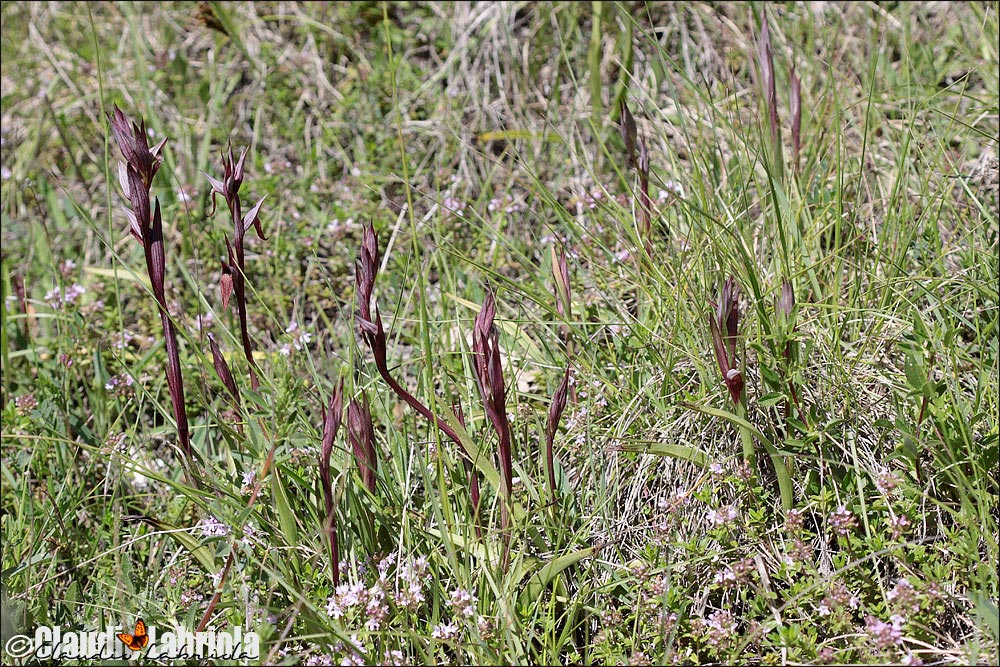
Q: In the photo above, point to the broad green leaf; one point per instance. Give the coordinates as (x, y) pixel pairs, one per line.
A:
(541, 579)
(916, 376)
(733, 419)
(771, 399)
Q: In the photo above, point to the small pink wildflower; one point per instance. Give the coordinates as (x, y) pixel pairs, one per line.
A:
(735, 574)
(462, 603)
(395, 658)
(445, 631)
(453, 205)
(719, 627)
(887, 482)
(885, 635)
(249, 480)
(904, 596)
(722, 516)
(842, 522)
(794, 520)
(898, 525)
(25, 403)
(119, 384)
(300, 337)
(212, 527)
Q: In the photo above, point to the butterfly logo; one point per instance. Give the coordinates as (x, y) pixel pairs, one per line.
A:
(137, 640)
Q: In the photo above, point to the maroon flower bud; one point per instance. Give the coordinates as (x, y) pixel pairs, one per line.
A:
(725, 318)
(362, 436)
(629, 133)
(555, 414)
(331, 424)
(489, 379)
(225, 375)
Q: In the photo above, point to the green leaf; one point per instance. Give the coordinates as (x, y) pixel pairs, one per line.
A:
(768, 400)
(771, 377)
(684, 452)
(286, 517)
(541, 579)
(916, 376)
(733, 419)
(780, 464)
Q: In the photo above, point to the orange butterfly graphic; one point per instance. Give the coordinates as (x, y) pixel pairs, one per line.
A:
(138, 640)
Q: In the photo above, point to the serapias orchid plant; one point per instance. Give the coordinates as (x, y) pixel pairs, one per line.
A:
(135, 175)
(373, 334)
(234, 270)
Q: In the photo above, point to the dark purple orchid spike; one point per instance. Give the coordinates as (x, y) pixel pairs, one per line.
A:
(136, 176)
(629, 132)
(226, 376)
(555, 414)
(785, 304)
(492, 390)
(795, 110)
(234, 271)
(724, 326)
(331, 424)
(361, 433)
(765, 62)
(131, 139)
(373, 333)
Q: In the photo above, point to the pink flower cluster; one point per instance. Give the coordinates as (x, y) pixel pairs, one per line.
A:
(57, 298)
(842, 521)
(719, 627)
(722, 516)
(212, 527)
(836, 598)
(119, 384)
(886, 635)
(735, 574)
(904, 596)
